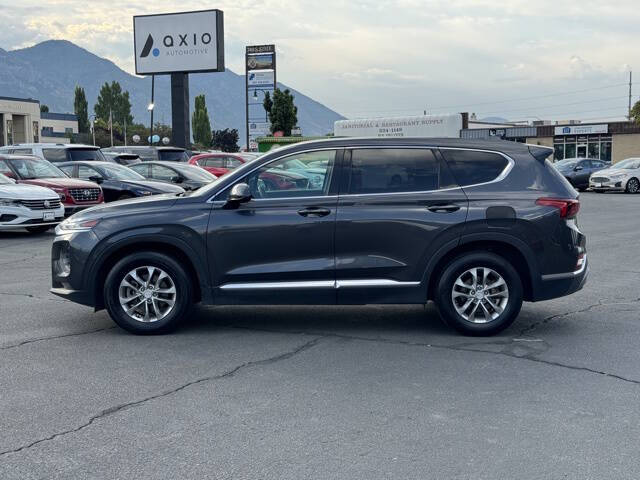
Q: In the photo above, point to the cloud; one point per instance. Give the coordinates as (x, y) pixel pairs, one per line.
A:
(382, 55)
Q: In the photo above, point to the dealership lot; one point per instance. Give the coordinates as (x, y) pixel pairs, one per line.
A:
(316, 392)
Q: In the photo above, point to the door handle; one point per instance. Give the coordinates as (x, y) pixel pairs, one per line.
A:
(314, 212)
(449, 208)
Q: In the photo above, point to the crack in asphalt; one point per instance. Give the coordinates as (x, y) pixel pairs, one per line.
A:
(464, 347)
(112, 410)
(29, 295)
(588, 308)
(54, 337)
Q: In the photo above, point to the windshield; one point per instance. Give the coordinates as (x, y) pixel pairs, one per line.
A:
(4, 180)
(120, 172)
(83, 154)
(195, 173)
(566, 164)
(628, 164)
(33, 168)
(173, 155)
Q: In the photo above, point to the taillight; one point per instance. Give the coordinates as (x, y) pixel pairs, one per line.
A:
(567, 207)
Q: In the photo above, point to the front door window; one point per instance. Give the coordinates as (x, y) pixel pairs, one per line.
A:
(582, 151)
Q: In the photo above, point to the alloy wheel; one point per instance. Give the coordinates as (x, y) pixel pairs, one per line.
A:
(147, 294)
(633, 186)
(480, 295)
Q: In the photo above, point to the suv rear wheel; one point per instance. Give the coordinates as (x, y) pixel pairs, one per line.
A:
(148, 293)
(479, 293)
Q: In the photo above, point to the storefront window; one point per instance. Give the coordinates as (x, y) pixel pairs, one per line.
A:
(570, 150)
(558, 151)
(9, 132)
(594, 150)
(605, 151)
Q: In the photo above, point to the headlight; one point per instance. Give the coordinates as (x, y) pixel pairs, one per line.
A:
(71, 225)
(7, 202)
(619, 176)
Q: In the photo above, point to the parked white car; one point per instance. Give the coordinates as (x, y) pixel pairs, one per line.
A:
(623, 176)
(28, 206)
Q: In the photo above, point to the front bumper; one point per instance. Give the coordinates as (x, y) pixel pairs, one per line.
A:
(562, 284)
(71, 209)
(609, 185)
(22, 217)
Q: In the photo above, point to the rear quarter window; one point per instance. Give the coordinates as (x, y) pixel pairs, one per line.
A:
(470, 167)
(55, 154)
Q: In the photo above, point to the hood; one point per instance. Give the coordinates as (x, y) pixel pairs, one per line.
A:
(133, 206)
(27, 192)
(151, 185)
(60, 183)
(614, 171)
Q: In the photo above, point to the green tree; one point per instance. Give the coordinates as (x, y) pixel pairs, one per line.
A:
(80, 108)
(283, 113)
(44, 108)
(200, 123)
(267, 103)
(112, 99)
(226, 140)
(635, 113)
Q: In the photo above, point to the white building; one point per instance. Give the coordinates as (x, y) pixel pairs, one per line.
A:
(19, 120)
(58, 127)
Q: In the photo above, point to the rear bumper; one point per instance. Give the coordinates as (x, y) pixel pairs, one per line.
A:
(562, 284)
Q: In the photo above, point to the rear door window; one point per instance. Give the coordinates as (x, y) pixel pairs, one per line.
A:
(397, 170)
(470, 167)
(55, 154)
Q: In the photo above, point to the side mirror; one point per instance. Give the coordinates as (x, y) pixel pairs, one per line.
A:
(96, 179)
(177, 179)
(240, 193)
(578, 168)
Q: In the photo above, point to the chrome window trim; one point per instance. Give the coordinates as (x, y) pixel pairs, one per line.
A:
(505, 172)
(335, 284)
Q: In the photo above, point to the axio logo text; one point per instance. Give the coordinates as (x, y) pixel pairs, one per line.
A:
(147, 48)
(183, 40)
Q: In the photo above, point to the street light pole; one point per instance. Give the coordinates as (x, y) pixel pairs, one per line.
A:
(151, 106)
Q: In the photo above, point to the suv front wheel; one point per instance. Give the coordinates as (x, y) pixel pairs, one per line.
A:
(148, 293)
(479, 293)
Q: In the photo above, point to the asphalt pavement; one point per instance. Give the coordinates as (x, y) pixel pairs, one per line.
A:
(373, 392)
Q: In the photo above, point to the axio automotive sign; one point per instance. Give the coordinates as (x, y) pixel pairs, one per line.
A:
(179, 42)
(419, 126)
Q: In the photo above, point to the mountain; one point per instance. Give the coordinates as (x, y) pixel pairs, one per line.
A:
(49, 72)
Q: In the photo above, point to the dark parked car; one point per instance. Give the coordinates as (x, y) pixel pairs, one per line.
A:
(122, 158)
(476, 226)
(117, 181)
(187, 176)
(150, 154)
(578, 170)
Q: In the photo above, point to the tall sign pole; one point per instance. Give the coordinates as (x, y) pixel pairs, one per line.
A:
(177, 44)
(260, 79)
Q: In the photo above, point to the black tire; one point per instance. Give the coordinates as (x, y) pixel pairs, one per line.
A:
(633, 185)
(460, 265)
(183, 297)
(38, 229)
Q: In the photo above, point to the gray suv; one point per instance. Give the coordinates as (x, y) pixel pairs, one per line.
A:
(478, 227)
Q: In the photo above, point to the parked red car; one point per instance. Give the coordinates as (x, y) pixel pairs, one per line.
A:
(74, 194)
(220, 163)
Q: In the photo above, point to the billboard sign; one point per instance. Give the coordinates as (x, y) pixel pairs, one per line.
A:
(581, 129)
(179, 42)
(261, 79)
(418, 126)
(260, 65)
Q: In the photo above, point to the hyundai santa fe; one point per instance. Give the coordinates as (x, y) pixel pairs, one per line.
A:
(478, 227)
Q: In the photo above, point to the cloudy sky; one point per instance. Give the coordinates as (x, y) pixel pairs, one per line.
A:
(518, 59)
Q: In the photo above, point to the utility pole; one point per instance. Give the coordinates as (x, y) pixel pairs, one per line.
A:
(111, 124)
(125, 131)
(151, 107)
(630, 85)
